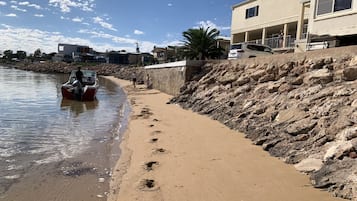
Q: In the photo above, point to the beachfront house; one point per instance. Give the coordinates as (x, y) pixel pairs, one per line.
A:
(295, 25)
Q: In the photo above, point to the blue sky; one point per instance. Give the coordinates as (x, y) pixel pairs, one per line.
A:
(106, 24)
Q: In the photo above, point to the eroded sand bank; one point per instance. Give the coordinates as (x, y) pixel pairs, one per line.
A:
(173, 154)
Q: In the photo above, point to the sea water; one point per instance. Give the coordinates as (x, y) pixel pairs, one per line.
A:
(38, 127)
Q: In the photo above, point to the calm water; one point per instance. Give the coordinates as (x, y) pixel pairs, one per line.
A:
(37, 127)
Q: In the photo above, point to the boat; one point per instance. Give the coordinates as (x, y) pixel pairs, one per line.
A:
(83, 91)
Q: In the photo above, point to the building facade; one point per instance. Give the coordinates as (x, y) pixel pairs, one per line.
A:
(287, 25)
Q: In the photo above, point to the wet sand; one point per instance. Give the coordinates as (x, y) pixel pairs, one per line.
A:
(170, 154)
(82, 178)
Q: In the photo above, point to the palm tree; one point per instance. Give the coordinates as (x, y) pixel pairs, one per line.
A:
(201, 43)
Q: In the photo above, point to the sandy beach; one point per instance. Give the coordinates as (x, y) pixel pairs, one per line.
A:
(170, 154)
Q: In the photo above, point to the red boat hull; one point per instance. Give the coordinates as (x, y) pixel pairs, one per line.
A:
(88, 95)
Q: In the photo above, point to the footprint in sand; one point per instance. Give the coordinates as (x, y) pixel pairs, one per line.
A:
(148, 185)
(160, 151)
(154, 140)
(149, 166)
(156, 132)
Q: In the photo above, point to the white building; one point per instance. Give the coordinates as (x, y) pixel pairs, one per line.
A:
(292, 24)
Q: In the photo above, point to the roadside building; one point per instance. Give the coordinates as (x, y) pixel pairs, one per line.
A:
(288, 25)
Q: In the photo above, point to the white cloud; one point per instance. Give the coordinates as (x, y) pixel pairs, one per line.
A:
(169, 4)
(24, 3)
(66, 5)
(38, 15)
(206, 24)
(138, 32)
(15, 38)
(11, 15)
(38, 7)
(104, 24)
(77, 19)
(2, 3)
(18, 9)
(64, 18)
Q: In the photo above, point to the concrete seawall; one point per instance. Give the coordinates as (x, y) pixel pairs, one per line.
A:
(170, 77)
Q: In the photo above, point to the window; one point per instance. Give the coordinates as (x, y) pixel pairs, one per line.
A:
(251, 12)
(238, 46)
(329, 6)
(342, 5)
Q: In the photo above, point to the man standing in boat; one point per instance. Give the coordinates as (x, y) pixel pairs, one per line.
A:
(78, 89)
(79, 75)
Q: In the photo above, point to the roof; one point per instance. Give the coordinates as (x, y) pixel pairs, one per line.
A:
(224, 38)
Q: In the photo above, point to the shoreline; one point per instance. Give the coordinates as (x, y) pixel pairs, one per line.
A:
(168, 153)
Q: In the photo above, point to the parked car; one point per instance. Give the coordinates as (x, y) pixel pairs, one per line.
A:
(248, 50)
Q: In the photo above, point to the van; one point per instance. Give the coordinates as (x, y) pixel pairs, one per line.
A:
(248, 50)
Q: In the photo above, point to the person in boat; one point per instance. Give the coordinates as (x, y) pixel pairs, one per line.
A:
(79, 75)
(78, 88)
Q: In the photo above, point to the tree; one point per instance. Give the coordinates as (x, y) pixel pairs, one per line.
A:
(201, 43)
(21, 54)
(37, 53)
(8, 54)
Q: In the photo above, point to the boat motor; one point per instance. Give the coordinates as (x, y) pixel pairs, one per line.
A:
(77, 89)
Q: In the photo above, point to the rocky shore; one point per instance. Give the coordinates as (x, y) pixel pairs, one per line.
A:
(302, 111)
(120, 71)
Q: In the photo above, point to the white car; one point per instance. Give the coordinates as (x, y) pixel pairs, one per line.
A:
(248, 50)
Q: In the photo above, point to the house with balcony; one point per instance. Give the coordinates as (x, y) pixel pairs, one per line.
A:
(293, 25)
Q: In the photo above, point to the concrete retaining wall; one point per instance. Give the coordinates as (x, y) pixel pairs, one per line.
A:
(170, 77)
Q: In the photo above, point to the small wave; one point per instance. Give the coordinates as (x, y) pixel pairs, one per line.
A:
(12, 177)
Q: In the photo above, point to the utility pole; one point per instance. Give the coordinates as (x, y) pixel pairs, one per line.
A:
(137, 47)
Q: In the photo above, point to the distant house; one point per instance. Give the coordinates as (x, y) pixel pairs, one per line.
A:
(126, 58)
(69, 52)
(287, 25)
(118, 57)
(167, 54)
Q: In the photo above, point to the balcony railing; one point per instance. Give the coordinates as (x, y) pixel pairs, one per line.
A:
(276, 42)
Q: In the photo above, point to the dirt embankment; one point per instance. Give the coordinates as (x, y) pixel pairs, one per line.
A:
(303, 111)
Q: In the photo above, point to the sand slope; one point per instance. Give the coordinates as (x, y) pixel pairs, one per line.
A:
(173, 154)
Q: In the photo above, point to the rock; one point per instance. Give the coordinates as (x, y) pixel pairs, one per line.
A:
(267, 78)
(337, 149)
(298, 81)
(301, 127)
(309, 165)
(347, 134)
(322, 76)
(349, 74)
(257, 74)
(353, 61)
(272, 88)
(242, 81)
(285, 88)
(354, 104)
(227, 78)
(352, 154)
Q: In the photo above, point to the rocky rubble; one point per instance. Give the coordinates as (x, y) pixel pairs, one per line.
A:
(62, 67)
(122, 72)
(303, 111)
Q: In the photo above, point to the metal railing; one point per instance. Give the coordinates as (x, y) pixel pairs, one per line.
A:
(277, 42)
